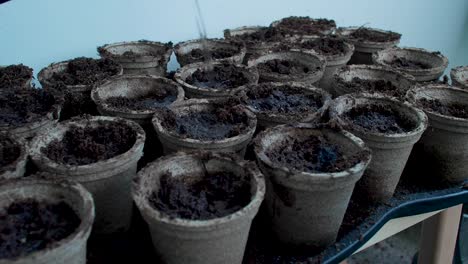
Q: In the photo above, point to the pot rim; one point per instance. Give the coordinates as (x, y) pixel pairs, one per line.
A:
(455, 75)
(104, 50)
(240, 45)
(345, 31)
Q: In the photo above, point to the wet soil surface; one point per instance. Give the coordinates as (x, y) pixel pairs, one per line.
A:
(378, 118)
(304, 25)
(374, 86)
(201, 198)
(290, 67)
(22, 106)
(365, 34)
(158, 99)
(312, 154)
(265, 34)
(285, 100)
(325, 46)
(86, 145)
(224, 121)
(450, 109)
(14, 76)
(409, 64)
(9, 151)
(86, 71)
(222, 76)
(27, 226)
(218, 53)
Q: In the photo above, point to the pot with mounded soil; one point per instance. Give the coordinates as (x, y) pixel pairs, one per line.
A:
(389, 128)
(139, 57)
(304, 26)
(102, 154)
(310, 173)
(211, 125)
(282, 103)
(15, 76)
(216, 79)
(285, 66)
(199, 207)
(367, 41)
(199, 50)
(13, 157)
(44, 222)
(75, 79)
(25, 112)
(422, 64)
(372, 79)
(258, 40)
(459, 76)
(442, 148)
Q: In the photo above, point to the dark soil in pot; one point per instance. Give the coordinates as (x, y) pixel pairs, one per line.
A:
(305, 25)
(365, 34)
(211, 196)
(447, 109)
(13, 76)
(218, 53)
(284, 67)
(87, 145)
(9, 151)
(222, 76)
(29, 225)
(325, 46)
(158, 99)
(405, 63)
(265, 34)
(375, 86)
(23, 106)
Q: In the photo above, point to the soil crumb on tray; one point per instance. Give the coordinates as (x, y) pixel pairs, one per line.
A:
(86, 145)
(283, 67)
(447, 109)
(22, 106)
(218, 53)
(404, 63)
(375, 86)
(9, 151)
(200, 198)
(86, 71)
(14, 76)
(305, 25)
(312, 154)
(366, 34)
(158, 99)
(27, 226)
(379, 118)
(222, 76)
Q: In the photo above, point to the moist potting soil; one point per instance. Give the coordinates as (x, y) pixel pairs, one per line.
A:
(366, 34)
(223, 76)
(325, 46)
(14, 76)
(200, 198)
(157, 99)
(448, 109)
(374, 86)
(261, 35)
(284, 67)
(305, 26)
(9, 151)
(217, 53)
(28, 225)
(404, 63)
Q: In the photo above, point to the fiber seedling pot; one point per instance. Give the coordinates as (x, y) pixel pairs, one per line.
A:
(209, 240)
(13, 157)
(304, 26)
(188, 126)
(216, 79)
(108, 178)
(442, 147)
(306, 207)
(367, 41)
(459, 76)
(216, 49)
(74, 81)
(15, 76)
(389, 128)
(422, 64)
(293, 65)
(372, 79)
(26, 112)
(70, 249)
(282, 103)
(139, 57)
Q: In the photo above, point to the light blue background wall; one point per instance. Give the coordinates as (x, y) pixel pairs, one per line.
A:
(39, 32)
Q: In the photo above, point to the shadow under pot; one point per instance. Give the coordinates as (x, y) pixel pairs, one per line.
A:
(442, 151)
(422, 64)
(199, 50)
(202, 203)
(371, 79)
(389, 128)
(285, 66)
(214, 80)
(52, 219)
(74, 79)
(139, 57)
(102, 154)
(13, 157)
(15, 76)
(304, 26)
(282, 103)
(367, 41)
(211, 125)
(459, 76)
(25, 112)
(310, 174)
